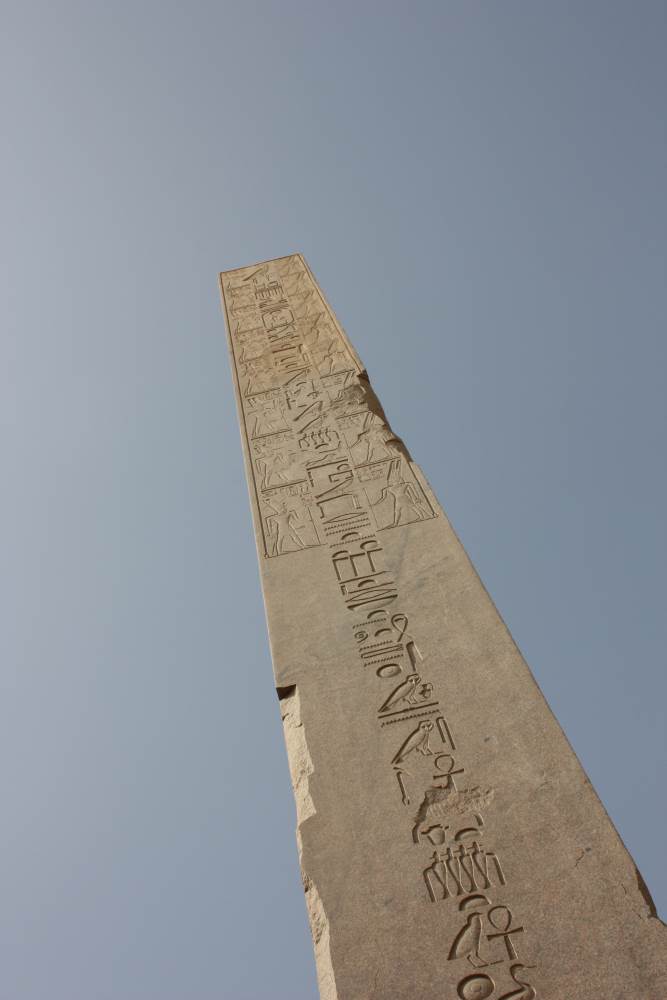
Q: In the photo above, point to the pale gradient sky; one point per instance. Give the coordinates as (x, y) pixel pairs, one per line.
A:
(480, 189)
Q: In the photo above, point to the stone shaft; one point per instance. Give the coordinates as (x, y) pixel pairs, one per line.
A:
(451, 845)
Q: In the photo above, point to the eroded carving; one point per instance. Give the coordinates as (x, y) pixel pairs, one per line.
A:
(287, 528)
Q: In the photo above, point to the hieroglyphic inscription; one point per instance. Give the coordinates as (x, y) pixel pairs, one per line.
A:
(461, 870)
(429, 774)
(328, 471)
(324, 460)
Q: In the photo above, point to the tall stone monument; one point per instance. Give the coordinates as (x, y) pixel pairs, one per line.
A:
(451, 845)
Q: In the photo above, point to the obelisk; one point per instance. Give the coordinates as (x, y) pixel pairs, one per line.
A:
(451, 845)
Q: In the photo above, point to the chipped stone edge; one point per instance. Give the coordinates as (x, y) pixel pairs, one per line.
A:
(301, 767)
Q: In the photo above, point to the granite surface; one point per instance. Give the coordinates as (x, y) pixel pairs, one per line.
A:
(452, 847)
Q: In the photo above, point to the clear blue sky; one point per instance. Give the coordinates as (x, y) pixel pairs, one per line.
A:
(480, 189)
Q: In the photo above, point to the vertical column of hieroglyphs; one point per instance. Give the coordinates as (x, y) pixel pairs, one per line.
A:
(328, 471)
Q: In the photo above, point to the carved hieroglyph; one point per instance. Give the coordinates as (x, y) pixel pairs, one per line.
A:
(452, 848)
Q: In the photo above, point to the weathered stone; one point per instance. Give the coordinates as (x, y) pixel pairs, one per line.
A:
(451, 844)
